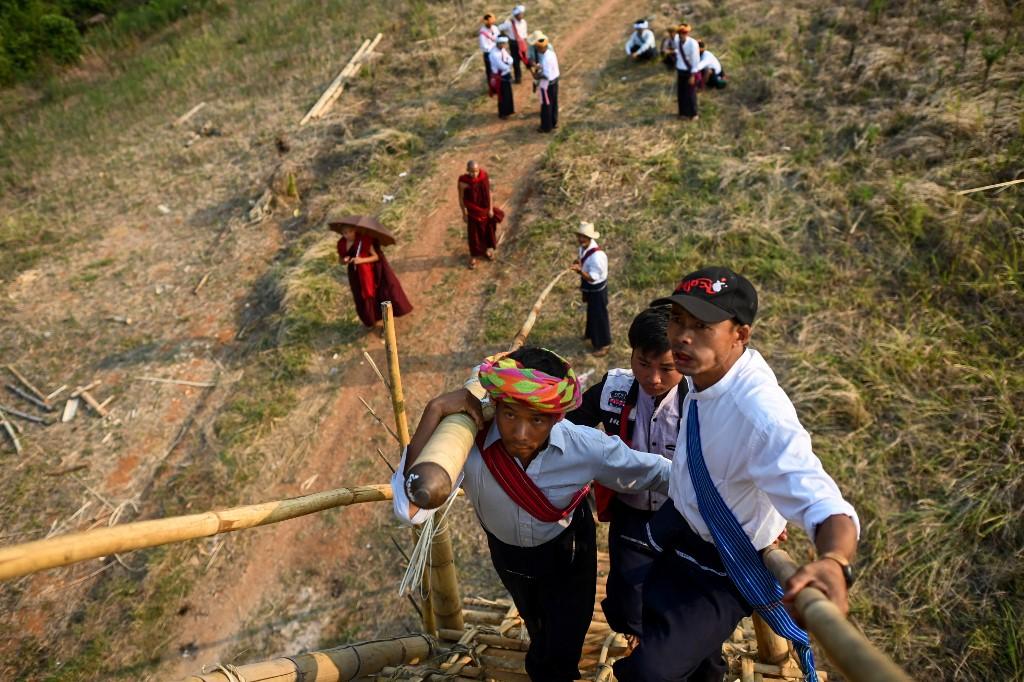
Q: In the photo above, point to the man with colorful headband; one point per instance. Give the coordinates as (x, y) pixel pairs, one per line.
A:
(743, 466)
(528, 477)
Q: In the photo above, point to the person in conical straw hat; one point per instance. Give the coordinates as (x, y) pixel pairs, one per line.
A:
(528, 477)
(592, 266)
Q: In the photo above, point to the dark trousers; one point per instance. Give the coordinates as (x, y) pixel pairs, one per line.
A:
(506, 105)
(553, 587)
(517, 61)
(646, 55)
(487, 69)
(549, 110)
(714, 80)
(689, 610)
(629, 560)
(598, 329)
(686, 94)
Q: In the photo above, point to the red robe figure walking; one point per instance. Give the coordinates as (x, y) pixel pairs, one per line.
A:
(370, 277)
(481, 217)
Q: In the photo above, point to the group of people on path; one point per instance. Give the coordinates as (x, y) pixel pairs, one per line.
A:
(695, 66)
(507, 49)
(701, 463)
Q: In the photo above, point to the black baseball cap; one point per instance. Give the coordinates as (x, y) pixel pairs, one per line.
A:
(714, 295)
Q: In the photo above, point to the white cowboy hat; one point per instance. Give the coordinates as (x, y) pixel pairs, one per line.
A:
(587, 230)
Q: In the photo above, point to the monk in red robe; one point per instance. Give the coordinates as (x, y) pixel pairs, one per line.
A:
(371, 278)
(481, 218)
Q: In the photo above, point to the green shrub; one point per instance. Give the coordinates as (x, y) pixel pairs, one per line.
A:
(59, 39)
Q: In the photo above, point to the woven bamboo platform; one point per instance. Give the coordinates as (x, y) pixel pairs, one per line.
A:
(494, 643)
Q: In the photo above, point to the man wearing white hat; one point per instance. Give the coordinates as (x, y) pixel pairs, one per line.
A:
(515, 28)
(641, 45)
(501, 74)
(592, 265)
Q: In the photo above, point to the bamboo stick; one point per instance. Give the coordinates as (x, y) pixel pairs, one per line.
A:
(857, 658)
(354, 661)
(30, 557)
(333, 96)
(10, 433)
(25, 395)
(531, 318)
(336, 83)
(178, 382)
(24, 415)
(998, 184)
(26, 383)
(771, 648)
(395, 374)
(94, 404)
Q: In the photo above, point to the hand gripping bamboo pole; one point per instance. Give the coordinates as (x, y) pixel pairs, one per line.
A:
(430, 479)
(350, 662)
(857, 658)
(445, 603)
(30, 557)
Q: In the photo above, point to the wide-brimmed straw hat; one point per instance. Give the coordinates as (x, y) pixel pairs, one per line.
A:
(536, 37)
(587, 230)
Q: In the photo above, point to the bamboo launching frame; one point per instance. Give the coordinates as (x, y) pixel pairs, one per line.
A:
(442, 582)
(857, 658)
(354, 661)
(30, 557)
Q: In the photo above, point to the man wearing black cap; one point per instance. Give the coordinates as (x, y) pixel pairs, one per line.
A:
(743, 466)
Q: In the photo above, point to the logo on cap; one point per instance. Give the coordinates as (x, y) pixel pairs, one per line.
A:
(706, 284)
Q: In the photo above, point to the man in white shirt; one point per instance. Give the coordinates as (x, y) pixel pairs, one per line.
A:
(515, 28)
(501, 72)
(710, 70)
(528, 477)
(641, 405)
(687, 59)
(487, 38)
(741, 446)
(547, 83)
(641, 45)
(592, 266)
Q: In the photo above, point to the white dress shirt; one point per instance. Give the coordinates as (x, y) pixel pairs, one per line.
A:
(709, 61)
(501, 61)
(488, 38)
(692, 51)
(759, 457)
(548, 64)
(656, 430)
(511, 23)
(574, 456)
(645, 41)
(597, 265)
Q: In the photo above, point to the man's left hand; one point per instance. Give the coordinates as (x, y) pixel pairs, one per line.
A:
(824, 574)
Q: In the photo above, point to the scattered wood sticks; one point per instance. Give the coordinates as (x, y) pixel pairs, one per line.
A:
(337, 86)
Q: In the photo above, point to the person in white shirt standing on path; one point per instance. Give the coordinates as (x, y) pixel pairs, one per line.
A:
(687, 59)
(547, 86)
(592, 265)
(515, 28)
(641, 45)
(743, 465)
(487, 38)
(501, 74)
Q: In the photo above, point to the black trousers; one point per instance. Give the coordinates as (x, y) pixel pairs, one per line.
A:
(690, 608)
(599, 329)
(646, 55)
(629, 561)
(487, 69)
(506, 105)
(549, 110)
(686, 94)
(553, 587)
(517, 61)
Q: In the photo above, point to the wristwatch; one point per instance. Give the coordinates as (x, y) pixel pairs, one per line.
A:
(844, 563)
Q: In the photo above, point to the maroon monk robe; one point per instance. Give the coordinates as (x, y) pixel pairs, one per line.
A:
(372, 283)
(481, 228)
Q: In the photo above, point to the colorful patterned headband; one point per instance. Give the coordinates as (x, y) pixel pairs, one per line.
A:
(507, 379)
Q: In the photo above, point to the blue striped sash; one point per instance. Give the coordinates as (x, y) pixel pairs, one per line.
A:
(742, 561)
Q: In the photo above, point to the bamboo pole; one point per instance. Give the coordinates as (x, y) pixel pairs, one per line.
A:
(30, 557)
(356, 65)
(350, 662)
(998, 184)
(531, 318)
(857, 658)
(334, 83)
(445, 603)
(771, 648)
(26, 383)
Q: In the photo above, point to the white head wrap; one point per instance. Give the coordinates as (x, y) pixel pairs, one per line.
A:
(641, 25)
(519, 9)
(502, 39)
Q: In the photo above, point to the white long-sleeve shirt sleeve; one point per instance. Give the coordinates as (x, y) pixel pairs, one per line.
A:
(400, 500)
(487, 38)
(709, 61)
(645, 41)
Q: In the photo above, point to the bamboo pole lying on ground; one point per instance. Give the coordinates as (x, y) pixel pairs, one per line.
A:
(857, 658)
(30, 557)
(350, 662)
(337, 86)
(445, 603)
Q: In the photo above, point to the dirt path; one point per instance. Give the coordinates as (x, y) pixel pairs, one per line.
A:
(432, 339)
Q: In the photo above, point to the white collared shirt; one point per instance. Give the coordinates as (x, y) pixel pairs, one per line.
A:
(548, 64)
(518, 24)
(691, 49)
(709, 61)
(488, 37)
(597, 265)
(656, 430)
(645, 41)
(575, 456)
(759, 457)
(501, 61)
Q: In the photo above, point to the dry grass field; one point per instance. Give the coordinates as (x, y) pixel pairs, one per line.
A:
(826, 172)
